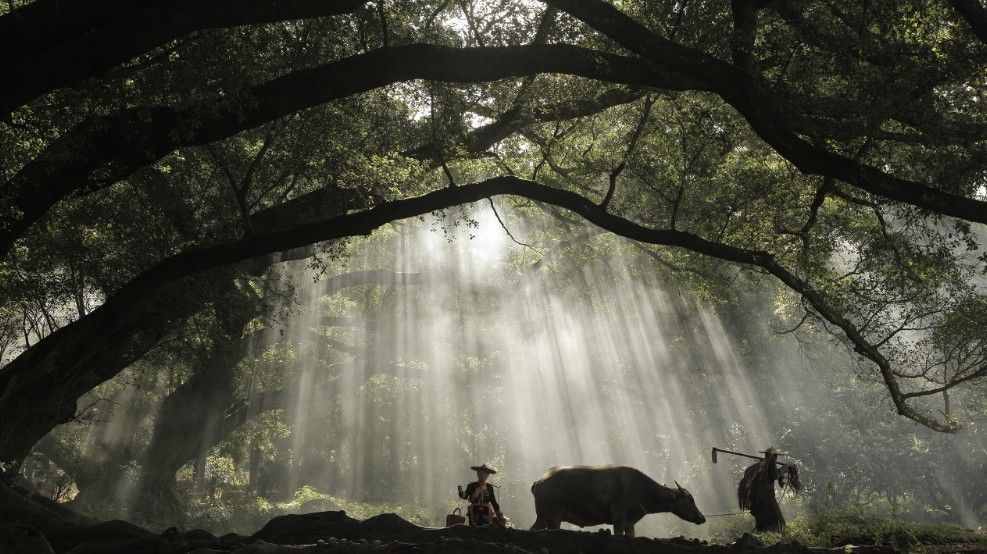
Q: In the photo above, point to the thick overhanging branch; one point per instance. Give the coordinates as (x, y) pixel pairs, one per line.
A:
(70, 42)
(753, 100)
(41, 387)
(975, 14)
(482, 138)
(744, 32)
(103, 150)
(364, 222)
(47, 25)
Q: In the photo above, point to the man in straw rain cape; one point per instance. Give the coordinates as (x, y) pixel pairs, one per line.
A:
(756, 491)
(483, 508)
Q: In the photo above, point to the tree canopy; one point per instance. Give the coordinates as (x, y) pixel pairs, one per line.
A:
(157, 158)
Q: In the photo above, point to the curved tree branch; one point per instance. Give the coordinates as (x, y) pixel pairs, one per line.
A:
(105, 149)
(32, 367)
(483, 137)
(975, 14)
(70, 41)
(762, 110)
(365, 222)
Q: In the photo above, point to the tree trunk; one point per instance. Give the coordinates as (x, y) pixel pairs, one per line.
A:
(199, 472)
(204, 410)
(191, 420)
(39, 389)
(253, 466)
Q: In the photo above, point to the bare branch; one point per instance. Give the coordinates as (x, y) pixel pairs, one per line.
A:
(508, 231)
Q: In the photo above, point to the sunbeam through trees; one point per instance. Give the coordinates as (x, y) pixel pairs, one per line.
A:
(292, 271)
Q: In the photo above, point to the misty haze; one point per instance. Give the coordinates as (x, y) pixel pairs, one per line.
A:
(493, 276)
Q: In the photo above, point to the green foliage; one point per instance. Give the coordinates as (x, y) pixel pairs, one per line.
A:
(895, 85)
(833, 529)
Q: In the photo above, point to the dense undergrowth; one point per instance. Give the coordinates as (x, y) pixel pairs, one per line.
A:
(848, 527)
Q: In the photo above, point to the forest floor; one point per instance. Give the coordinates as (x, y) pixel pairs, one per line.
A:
(32, 525)
(332, 532)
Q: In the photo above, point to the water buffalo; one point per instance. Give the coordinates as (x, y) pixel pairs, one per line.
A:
(616, 495)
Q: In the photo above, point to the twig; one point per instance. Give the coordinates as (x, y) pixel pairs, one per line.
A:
(238, 192)
(508, 231)
(798, 326)
(445, 169)
(435, 137)
(648, 103)
(435, 13)
(471, 23)
(383, 22)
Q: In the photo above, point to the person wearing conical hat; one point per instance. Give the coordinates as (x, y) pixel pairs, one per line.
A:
(483, 507)
(756, 493)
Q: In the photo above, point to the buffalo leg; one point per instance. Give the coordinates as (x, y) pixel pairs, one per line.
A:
(546, 516)
(619, 520)
(546, 522)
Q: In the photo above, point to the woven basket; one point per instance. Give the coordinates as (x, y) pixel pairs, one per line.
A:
(455, 518)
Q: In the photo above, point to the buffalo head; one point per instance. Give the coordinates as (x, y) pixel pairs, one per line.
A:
(684, 506)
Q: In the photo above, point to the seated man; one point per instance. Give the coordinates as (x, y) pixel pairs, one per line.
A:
(483, 508)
